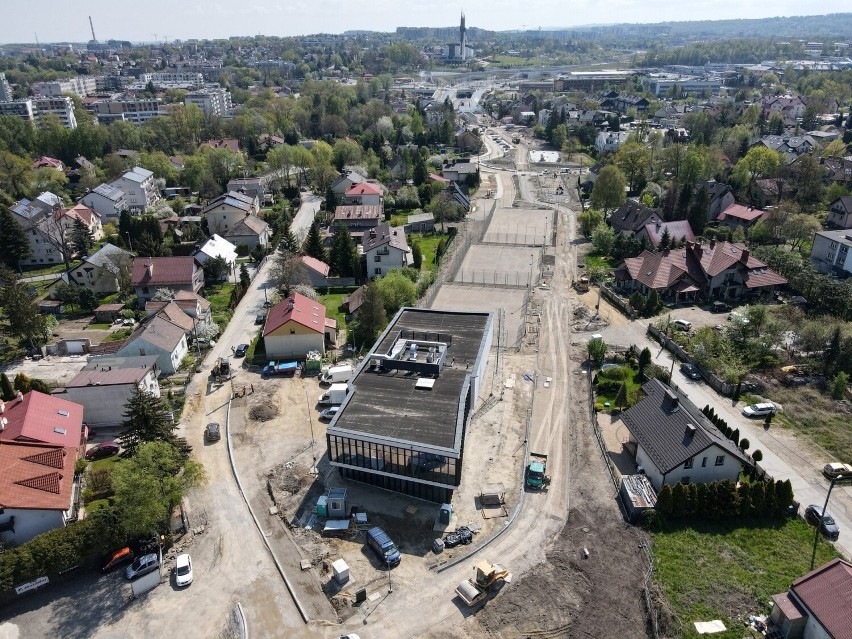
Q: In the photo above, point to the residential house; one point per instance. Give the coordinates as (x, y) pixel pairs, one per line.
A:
(193, 305)
(39, 418)
(675, 443)
(106, 200)
(467, 140)
(175, 273)
(816, 606)
(789, 107)
(353, 301)
(678, 232)
(385, 248)
(213, 101)
(830, 251)
(139, 189)
(158, 336)
(459, 196)
(739, 216)
(232, 144)
(46, 240)
(227, 210)
(346, 181)
(420, 222)
(294, 327)
(458, 170)
(610, 141)
(253, 187)
(251, 231)
(769, 192)
(83, 214)
(840, 212)
(790, 147)
(172, 312)
(218, 246)
(716, 270)
(632, 217)
(838, 170)
(364, 193)
(357, 218)
(106, 384)
(103, 271)
(37, 489)
(45, 162)
(312, 271)
(721, 196)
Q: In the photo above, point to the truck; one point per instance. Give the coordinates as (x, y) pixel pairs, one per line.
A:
(281, 368)
(336, 374)
(486, 574)
(537, 471)
(582, 284)
(334, 396)
(221, 370)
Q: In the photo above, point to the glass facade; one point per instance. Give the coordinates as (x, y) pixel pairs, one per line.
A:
(405, 464)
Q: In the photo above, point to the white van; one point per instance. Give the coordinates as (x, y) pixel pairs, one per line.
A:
(682, 325)
(336, 374)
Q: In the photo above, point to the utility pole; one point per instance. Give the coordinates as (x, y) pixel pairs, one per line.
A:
(824, 508)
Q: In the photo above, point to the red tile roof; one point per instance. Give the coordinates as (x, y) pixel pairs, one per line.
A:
(297, 308)
(166, 271)
(225, 143)
(827, 593)
(36, 476)
(741, 212)
(43, 418)
(437, 178)
(79, 212)
(364, 188)
(316, 265)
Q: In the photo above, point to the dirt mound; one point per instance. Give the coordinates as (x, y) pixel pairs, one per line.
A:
(263, 412)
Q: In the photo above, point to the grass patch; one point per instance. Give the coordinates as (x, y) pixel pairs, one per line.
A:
(428, 246)
(609, 382)
(399, 219)
(120, 334)
(47, 270)
(594, 260)
(728, 569)
(333, 302)
(107, 463)
(99, 326)
(219, 296)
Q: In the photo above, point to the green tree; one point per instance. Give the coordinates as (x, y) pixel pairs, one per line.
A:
(397, 291)
(245, 280)
(82, 239)
(416, 255)
(589, 220)
(215, 269)
(603, 239)
(343, 252)
(22, 383)
(145, 420)
(372, 317)
(596, 349)
(313, 243)
(665, 500)
(14, 245)
(7, 393)
(87, 301)
(783, 496)
(760, 162)
(25, 321)
(839, 385)
(680, 500)
(15, 174)
(644, 360)
(67, 293)
(758, 497)
(608, 191)
(633, 158)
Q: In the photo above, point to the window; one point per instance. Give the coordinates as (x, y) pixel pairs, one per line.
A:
(292, 331)
(377, 258)
(378, 271)
(688, 463)
(703, 462)
(720, 460)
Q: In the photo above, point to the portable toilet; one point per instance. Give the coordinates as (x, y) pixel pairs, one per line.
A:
(340, 571)
(322, 506)
(446, 514)
(337, 502)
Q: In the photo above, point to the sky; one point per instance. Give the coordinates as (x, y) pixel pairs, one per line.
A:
(156, 20)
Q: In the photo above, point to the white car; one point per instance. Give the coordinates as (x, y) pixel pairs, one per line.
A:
(837, 469)
(759, 410)
(329, 413)
(183, 570)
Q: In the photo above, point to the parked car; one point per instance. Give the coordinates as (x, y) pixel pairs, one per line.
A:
(720, 307)
(682, 325)
(241, 351)
(759, 410)
(381, 544)
(826, 524)
(143, 565)
(461, 536)
(183, 570)
(329, 413)
(211, 433)
(690, 371)
(260, 318)
(102, 450)
(837, 469)
(118, 558)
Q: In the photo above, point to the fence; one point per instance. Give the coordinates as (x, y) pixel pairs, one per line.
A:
(538, 238)
(714, 382)
(616, 300)
(506, 279)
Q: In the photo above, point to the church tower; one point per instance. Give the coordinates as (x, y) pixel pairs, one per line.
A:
(463, 38)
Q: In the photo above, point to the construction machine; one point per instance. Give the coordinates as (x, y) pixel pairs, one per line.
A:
(537, 471)
(486, 575)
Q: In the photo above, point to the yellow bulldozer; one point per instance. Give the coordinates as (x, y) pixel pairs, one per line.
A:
(486, 575)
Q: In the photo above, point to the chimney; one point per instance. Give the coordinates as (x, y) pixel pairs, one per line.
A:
(150, 268)
(712, 243)
(20, 396)
(671, 396)
(744, 256)
(690, 430)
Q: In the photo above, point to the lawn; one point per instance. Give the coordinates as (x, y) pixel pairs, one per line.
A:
(107, 463)
(399, 219)
(609, 385)
(728, 569)
(99, 326)
(219, 296)
(428, 245)
(46, 270)
(598, 261)
(333, 300)
(120, 334)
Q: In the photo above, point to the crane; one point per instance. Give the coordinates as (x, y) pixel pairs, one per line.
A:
(91, 24)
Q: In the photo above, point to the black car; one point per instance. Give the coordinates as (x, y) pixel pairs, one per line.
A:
(826, 524)
(241, 351)
(212, 433)
(462, 536)
(690, 371)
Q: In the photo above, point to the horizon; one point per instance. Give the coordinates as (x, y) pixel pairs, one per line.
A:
(191, 21)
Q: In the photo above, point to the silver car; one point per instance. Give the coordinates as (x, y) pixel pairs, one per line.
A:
(143, 565)
(759, 410)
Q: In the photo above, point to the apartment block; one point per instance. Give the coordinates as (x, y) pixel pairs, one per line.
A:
(212, 101)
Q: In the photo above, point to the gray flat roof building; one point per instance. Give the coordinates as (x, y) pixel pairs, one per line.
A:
(404, 420)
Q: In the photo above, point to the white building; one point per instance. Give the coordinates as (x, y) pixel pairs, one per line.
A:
(62, 107)
(161, 337)
(226, 211)
(610, 141)
(212, 101)
(106, 200)
(103, 271)
(218, 246)
(830, 251)
(135, 110)
(82, 86)
(385, 248)
(138, 187)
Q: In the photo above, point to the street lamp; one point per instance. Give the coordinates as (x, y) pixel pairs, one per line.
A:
(824, 508)
(129, 242)
(390, 585)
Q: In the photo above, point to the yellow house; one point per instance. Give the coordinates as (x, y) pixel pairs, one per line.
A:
(296, 326)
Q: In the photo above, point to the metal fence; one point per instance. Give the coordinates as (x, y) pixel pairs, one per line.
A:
(505, 279)
(537, 238)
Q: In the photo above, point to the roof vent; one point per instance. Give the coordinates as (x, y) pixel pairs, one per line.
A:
(60, 431)
(63, 412)
(19, 396)
(674, 402)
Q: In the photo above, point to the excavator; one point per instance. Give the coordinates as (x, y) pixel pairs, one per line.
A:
(486, 575)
